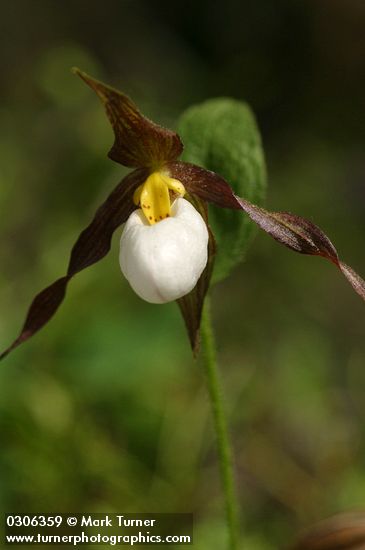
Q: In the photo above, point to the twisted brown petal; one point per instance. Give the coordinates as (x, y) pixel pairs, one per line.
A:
(293, 231)
(205, 184)
(139, 142)
(341, 532)
(91, 246)
(191, 305)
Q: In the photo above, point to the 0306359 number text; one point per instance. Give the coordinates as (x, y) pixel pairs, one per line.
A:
(33, 521)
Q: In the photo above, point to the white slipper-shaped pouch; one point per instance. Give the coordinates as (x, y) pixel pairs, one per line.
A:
(164, 261)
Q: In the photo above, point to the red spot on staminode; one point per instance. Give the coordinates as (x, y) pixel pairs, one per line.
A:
(150, 217)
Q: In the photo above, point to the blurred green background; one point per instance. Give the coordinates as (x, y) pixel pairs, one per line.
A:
(105, 409)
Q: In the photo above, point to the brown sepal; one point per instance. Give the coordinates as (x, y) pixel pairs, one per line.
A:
(341, 532)
(139, 142)
(191, 305)
(91, 246)
(293, 231)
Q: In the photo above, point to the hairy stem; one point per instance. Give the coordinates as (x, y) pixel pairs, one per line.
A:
(220, 425)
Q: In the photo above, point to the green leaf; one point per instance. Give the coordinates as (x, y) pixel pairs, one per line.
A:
(221, 135)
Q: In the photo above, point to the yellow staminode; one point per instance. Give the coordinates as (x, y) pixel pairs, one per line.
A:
(154, 198)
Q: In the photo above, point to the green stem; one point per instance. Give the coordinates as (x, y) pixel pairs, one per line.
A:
(220, 425)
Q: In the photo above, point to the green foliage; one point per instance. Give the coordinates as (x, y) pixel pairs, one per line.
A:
(221, 135)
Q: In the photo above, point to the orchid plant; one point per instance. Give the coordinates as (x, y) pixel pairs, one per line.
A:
(165, 237)
(167, 248)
